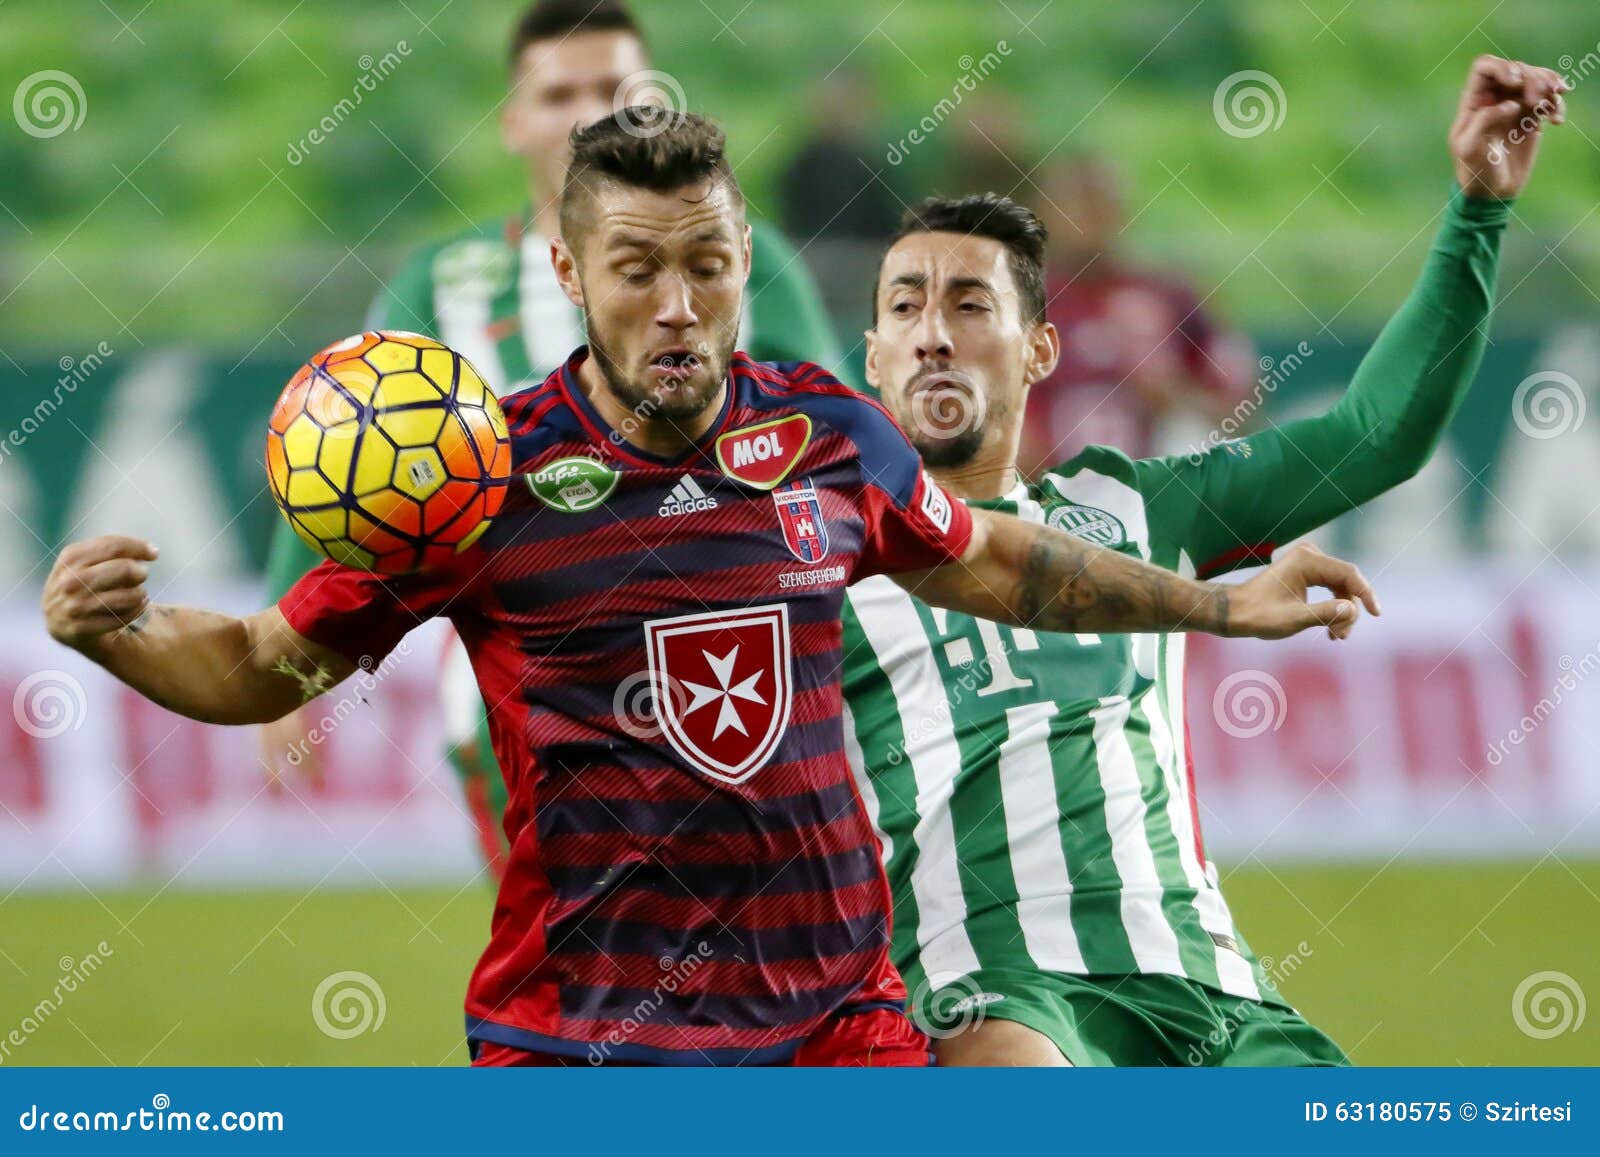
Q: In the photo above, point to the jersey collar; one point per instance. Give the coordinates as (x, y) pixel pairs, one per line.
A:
(1015, 496)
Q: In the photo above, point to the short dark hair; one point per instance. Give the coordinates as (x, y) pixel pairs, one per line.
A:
(645, 147)
(558, 19)
(986, 215)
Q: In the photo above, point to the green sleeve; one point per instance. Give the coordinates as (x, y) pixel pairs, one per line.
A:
(404, 303)
(1231, 504)
(788, 322)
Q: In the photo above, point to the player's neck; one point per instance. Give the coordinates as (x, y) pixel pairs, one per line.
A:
(981, 479)
(662, 437)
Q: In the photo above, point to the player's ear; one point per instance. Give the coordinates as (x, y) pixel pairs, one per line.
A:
(566, 267)
(872, 358)
(1044, 351)
(749, 248)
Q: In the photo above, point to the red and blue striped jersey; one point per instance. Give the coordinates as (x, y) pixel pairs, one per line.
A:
(692, 878)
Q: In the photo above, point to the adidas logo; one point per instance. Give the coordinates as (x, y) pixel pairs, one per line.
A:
(686, 498)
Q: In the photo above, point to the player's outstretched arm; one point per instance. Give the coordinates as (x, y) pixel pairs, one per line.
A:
(1289, 479)
(212, 667)
(1036, 576)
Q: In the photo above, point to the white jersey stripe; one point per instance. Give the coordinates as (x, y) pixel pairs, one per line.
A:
(552, 327)
(896, 635)
(869, 794)
(1166, 722)
(1154, 943)
(1033, 830)
(461, 311)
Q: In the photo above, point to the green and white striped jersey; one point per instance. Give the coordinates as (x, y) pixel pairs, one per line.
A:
(1031, 789)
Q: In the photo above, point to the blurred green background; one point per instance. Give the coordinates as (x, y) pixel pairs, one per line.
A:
(173, 212)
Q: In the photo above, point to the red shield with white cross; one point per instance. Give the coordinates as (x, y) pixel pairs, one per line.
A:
(722, 687)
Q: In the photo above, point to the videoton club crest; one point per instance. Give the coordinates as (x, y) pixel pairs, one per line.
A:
(722, 687)
(800, 513)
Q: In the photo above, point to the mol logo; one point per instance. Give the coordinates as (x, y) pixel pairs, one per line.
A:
(763, 455)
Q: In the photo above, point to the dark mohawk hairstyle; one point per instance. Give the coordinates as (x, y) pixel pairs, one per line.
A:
(559, 19)
(645, 147)
(998, 218)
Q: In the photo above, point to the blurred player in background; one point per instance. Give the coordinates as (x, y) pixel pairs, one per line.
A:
(1138, 348)
(1032, 790)
(699, 883)
(491, 294)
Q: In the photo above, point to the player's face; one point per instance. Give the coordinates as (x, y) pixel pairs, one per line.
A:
(661, 279)
(558, 85)
(951, 353)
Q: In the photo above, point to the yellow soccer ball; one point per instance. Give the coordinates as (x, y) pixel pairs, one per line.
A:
(387, 452)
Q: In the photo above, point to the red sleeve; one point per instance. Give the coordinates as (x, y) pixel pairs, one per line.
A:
(364, 616)
(929, 530)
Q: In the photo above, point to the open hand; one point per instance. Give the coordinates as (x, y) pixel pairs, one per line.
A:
(1274, 604)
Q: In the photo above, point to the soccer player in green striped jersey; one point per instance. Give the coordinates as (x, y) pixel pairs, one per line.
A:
(1053, 900)
(490, 292)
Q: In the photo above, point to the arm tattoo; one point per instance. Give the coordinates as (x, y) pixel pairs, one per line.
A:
(1068, 585)
(143, 620)
(311, 685)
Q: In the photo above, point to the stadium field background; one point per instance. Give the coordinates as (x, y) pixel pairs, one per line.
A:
(1405, 964)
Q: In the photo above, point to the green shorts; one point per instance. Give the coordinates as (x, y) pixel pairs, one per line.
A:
(1150, 1019)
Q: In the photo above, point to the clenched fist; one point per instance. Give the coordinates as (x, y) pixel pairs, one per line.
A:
(1502, 115)
(97, 587)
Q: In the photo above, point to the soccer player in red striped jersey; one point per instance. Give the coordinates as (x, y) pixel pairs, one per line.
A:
(692, 878)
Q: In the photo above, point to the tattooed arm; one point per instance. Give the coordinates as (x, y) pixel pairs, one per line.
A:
(1035, 576)
(212, 667)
